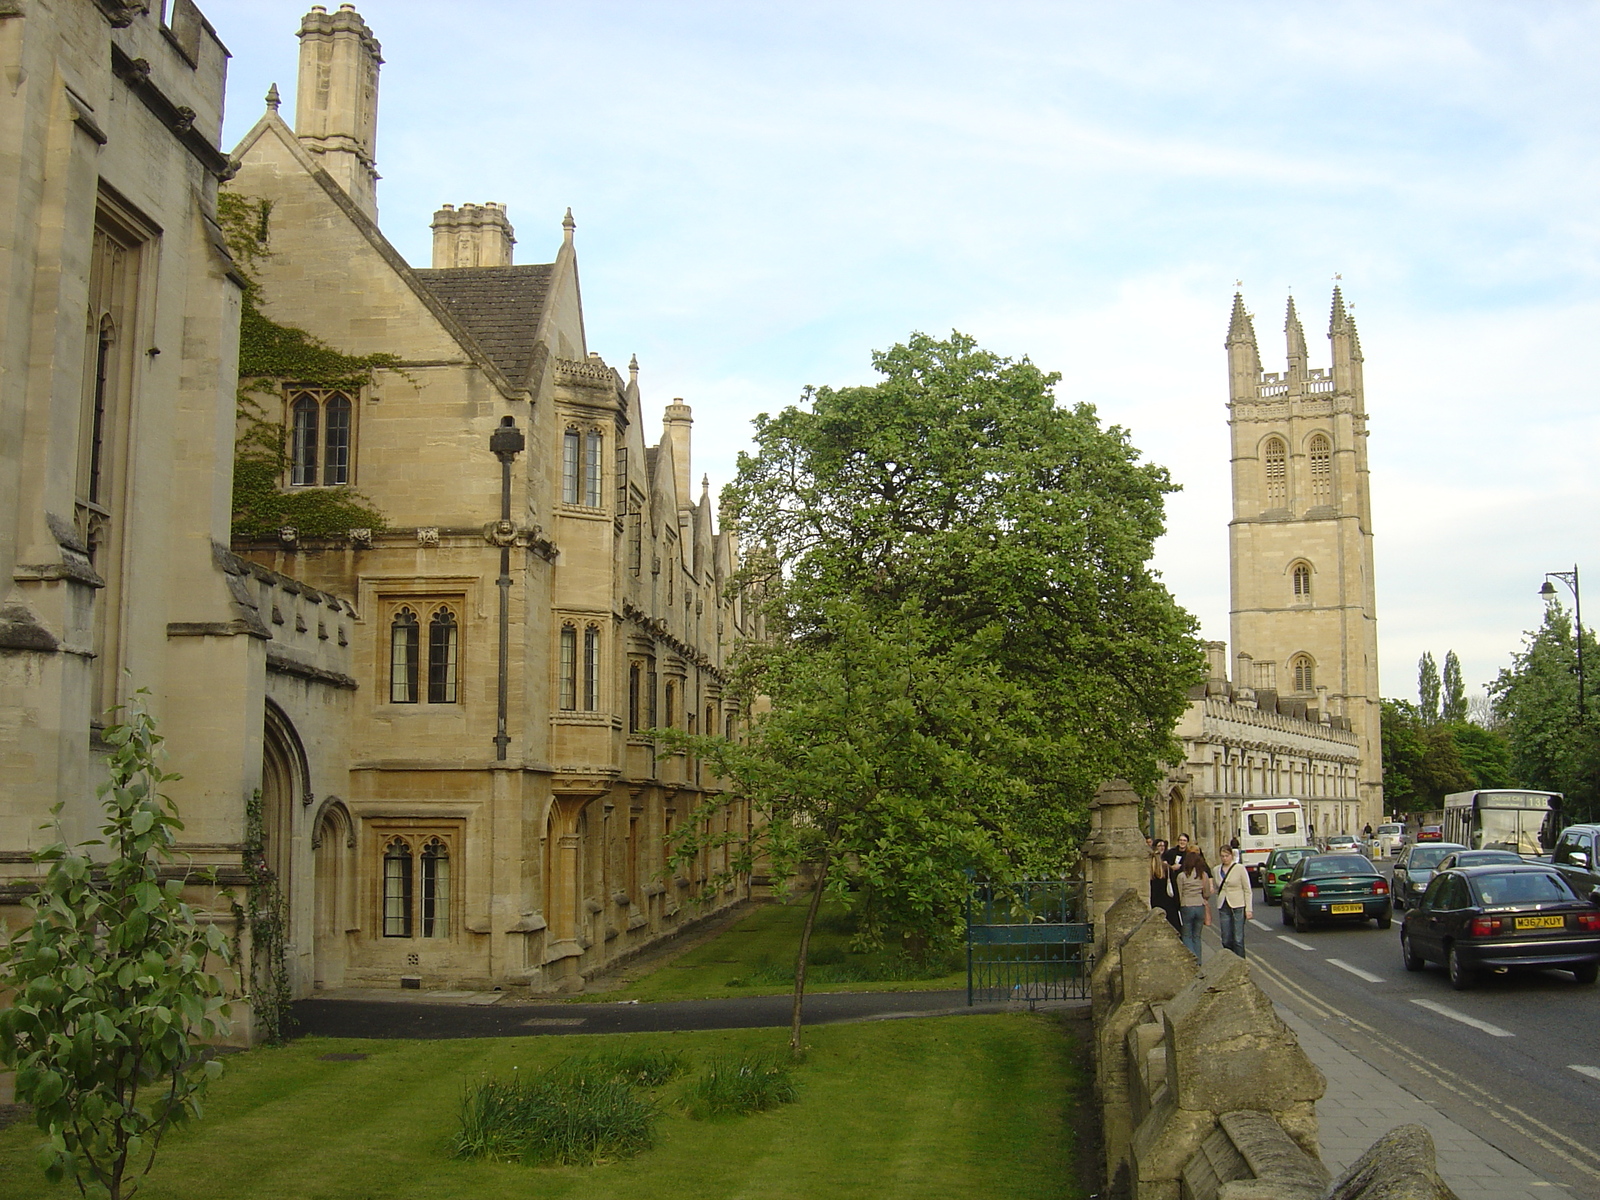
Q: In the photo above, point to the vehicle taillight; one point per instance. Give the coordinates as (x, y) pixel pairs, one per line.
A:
(1589, 922)
(1309, 891)
(1380, 887)
(1485, 926)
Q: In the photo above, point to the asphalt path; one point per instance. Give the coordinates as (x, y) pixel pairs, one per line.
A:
(1516, 1058)
(392, 1019)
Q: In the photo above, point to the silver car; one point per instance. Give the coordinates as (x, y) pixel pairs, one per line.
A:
(1416, 867)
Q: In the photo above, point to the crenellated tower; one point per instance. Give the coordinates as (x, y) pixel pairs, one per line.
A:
(336, 101)
(1300, 541)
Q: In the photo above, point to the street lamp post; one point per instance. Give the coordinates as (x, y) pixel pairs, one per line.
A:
(505, 443)
(1548, 591)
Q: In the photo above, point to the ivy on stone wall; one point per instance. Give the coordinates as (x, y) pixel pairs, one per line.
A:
(266, 913)
(270, 355)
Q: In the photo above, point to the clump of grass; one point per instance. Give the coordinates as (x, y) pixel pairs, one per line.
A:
(639, 1066)
(765, 973)
(737, 1086)
(566, 1118)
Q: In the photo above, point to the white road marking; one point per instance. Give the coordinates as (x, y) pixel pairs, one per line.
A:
(1298, 945)
(1261, 925)
(1445, 1010)
(1356, 971)
(1591, 1072)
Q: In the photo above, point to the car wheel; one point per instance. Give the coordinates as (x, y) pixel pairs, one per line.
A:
(1385, 921)
(1412, 960)
(1283, 912)
(1460, 975)
(1301, 925)
(1587, 973)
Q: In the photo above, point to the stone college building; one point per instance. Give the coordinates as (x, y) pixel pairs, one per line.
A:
(440, 708)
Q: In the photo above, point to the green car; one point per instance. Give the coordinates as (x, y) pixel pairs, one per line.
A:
(1275, 871)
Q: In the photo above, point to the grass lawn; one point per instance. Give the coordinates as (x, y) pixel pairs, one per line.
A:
(976, 1107)
(769, 938)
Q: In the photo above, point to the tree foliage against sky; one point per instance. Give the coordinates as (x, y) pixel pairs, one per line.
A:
(1552, 746)
(966, 636)
(1431, 749)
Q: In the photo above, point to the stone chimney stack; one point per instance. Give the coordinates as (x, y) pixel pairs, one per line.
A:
(675, 424)
(474, 235)
(336, 104)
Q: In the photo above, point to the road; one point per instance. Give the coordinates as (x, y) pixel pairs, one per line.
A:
(1516, 1058)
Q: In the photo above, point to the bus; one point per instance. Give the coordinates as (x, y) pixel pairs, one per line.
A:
(1266, 824)
(1525, 822)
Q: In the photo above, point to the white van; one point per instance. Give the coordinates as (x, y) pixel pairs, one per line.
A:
(1264, 825)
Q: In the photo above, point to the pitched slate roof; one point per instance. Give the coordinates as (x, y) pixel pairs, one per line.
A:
(499, 306)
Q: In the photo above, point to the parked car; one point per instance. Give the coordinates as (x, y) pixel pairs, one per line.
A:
(1276, 870)
(1390, 838)
(1341, 843)
(1416, 866)
(1431, 833)
(1335, 887)
(1501, 916)
(1574, 857)
(1477, 858)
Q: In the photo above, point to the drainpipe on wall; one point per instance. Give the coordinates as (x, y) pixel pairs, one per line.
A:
(506, 443)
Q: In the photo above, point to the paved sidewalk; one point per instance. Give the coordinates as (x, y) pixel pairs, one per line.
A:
(1362, 1104)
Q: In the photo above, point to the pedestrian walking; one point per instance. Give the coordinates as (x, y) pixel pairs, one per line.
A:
(1163, 896)
(1174, 856)
(1194, 890)
(1234, 900)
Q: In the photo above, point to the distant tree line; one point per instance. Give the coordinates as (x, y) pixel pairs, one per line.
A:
(1530, 731)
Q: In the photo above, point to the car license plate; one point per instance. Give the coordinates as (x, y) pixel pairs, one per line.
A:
(1541, 922)
(1339, 909)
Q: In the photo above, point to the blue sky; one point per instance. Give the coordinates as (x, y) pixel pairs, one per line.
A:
(767, 192)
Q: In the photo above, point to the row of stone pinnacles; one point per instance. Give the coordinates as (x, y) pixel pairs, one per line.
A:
(1205, 1094)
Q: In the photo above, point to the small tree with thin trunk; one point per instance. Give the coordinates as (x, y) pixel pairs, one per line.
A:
(110, 988)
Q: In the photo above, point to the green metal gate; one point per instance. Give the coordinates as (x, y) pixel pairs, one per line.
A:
(1028, 940)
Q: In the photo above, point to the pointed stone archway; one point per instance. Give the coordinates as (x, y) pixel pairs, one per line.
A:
(334, 911)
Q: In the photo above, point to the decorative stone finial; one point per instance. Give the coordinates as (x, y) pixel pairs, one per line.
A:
(567, 226)
(272, 98)
(633, 365)
(705, 484)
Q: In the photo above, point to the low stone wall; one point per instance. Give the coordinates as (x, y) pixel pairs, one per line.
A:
(1205, 1094)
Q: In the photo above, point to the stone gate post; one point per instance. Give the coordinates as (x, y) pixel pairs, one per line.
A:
(1118, 858)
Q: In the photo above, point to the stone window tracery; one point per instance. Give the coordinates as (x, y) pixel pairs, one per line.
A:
(1275, 457)
(1300, 576)
(442, 647)
(435, 678)
(1303, 671)
(397, 888)
(1321, 455)
(435, 889)
(404, 637)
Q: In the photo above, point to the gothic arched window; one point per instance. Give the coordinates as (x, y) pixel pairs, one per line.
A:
(336, 439)
(397, 888)
(580, 466)
(1301, 574)
(1321, 454)
(435, 889)
(404, 639)
(442, 643)
(303, 442)
(1275, 456)
(320, 437)
(1303, 672)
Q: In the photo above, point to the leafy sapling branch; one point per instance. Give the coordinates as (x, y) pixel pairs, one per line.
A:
(113, 982)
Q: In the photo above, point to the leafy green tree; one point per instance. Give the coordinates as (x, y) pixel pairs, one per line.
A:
(112, 991)
(1421, 760)
(1453, 707)
(1484, 753)
(885, 769)
(958, 483)
(1554, 745)
(967, 635)
(1428, 688)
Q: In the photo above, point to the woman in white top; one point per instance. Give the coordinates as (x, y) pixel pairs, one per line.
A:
(1234, 898)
